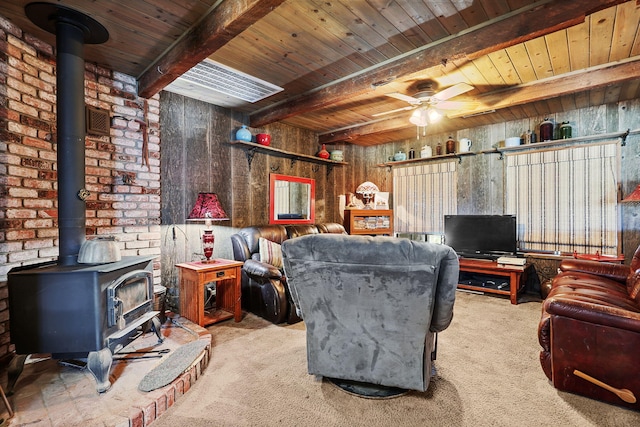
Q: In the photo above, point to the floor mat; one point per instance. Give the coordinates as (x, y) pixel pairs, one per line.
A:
(174, 365)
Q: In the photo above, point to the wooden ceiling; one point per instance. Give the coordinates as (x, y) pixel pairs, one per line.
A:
(336, 59)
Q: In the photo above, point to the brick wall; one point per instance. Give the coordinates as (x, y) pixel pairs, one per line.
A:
(125, 193)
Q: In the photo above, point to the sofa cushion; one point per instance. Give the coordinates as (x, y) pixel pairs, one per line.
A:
(331, 227)
(297, 230)
(270, 252)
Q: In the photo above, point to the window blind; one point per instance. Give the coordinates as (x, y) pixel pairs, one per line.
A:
(423, 195)
(565, 199)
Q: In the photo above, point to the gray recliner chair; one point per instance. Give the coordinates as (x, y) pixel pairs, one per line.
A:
(372, 306)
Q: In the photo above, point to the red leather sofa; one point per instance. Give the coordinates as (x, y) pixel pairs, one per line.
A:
(590, 324)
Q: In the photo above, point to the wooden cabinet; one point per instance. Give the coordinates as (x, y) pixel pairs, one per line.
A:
(368, 221)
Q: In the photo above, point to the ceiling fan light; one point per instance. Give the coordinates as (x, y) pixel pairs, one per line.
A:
(434, 115)
(419, 117)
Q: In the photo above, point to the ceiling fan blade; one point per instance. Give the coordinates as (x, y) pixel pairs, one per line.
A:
(455, 105)
(452, 91)
(403, 97)
(393, 111)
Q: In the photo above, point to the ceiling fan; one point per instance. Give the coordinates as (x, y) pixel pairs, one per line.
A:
(428, 102)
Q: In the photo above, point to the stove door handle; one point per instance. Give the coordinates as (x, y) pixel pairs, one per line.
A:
(118, 313)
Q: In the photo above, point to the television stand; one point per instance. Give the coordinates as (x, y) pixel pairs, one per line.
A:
(487, 276)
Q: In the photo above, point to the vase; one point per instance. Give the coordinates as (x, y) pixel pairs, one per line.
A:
(243, 134)
(337, 155)
(546, 130)
(399, 156)
(451, 145)
(565, 130)
(263, 139)
(323, 153)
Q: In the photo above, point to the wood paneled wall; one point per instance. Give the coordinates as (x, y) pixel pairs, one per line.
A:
(481, 177)
(196, 156)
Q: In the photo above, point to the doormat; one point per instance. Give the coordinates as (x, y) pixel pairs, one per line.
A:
(174, 365)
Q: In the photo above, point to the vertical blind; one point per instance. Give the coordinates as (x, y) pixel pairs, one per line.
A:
(565, 199)
(423, 195)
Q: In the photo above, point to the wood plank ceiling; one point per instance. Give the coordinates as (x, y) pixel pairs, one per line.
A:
(336, 59)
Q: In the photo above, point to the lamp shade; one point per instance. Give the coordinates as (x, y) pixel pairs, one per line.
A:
(208, 206)
(634, 196)
(434, 115)
(420, 117)
(367, 189)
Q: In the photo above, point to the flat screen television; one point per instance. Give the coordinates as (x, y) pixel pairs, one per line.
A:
(481, 236)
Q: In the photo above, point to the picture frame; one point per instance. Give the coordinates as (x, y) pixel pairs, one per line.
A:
(381, 200)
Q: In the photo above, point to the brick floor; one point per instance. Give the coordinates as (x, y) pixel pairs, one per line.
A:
(49, 393)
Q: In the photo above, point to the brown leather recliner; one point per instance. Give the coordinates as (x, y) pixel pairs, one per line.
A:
(264, 290)
(590, 325)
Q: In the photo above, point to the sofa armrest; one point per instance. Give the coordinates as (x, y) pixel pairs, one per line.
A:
(621, 314)
(257, 269)
(617, 272)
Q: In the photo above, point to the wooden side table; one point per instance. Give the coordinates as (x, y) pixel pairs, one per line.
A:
(513, 276)
(193, 278)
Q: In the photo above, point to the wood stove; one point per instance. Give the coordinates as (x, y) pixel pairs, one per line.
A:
(82, 311)
(68, 309)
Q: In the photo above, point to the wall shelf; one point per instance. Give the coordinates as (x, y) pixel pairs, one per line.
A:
(427, 159)
(560, 142)
(251, 148)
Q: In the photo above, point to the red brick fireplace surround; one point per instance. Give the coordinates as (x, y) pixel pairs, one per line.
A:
(122, 169)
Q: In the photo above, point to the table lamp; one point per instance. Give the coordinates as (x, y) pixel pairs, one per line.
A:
(367, 190)
(209, 209)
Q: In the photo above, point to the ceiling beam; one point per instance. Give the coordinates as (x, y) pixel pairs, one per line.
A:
(353, 133)
(545, 18)
(590, 78)
(221, 25)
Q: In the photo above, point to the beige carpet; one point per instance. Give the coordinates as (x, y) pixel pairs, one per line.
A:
(488, 375)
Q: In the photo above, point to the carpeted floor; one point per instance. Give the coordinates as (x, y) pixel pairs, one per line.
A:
(488, 375)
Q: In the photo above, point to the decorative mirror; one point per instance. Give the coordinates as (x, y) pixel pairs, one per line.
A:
(292, 200)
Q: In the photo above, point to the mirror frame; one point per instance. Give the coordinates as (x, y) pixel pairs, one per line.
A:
(273, 177)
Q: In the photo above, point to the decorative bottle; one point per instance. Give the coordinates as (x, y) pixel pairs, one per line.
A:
(412, 154)
(546, 130)
(323, 153)
(243, 134)
(451, 145)
(438, 149)
(565, 130)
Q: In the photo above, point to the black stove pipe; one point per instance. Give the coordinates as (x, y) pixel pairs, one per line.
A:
(73, 29)
(71, 134)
